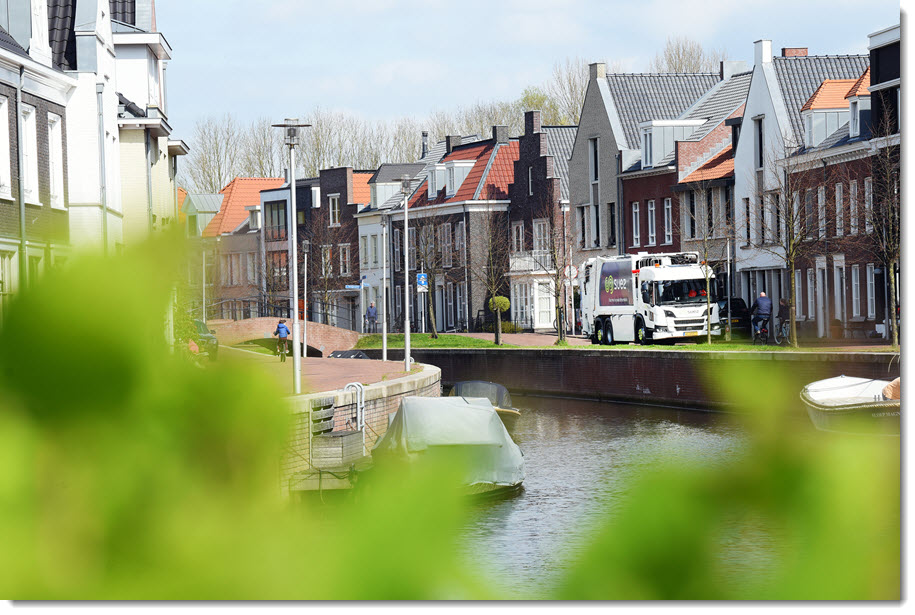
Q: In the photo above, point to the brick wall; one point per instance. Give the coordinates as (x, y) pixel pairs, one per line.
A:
(641, 190)
(323, 338)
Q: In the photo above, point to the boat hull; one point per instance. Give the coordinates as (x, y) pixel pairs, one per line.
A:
(853, 415)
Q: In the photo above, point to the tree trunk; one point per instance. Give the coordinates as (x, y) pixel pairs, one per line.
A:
(498, 330)
(792, 310)
(430, 297)
(560, 321)
(708, 310)
(895, 335)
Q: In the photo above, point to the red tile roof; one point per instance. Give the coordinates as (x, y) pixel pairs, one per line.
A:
(830, 95)
(240, 193)
(718, 167)
(502, 172)
(860, 87)
(362, 192)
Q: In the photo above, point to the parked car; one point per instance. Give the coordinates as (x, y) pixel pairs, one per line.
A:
(738, 319)
(207, 339)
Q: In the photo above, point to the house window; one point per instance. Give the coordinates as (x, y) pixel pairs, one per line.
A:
(459, 242)
(651, 223)
(582, 226)
(344, 259)
(691, 222)
(611, 207)
(398, 295)
(798, 294)
(668, 222)
(432, 190)
(373, 247)
(363, 252)
(840, 214)
(542, 240)
(760, 144)
(853, 207)
(451, 186)
(251, 269)
(728, 207)
(6, 183)
(709, 212)
(397, 249)
(821, 211)
(461, 293)
(646, 149)
(811, 294)
(868, 205)
(855, 292)
(853, 129)
(636, 240)
(445, 243)
(594, 161)
(746, 208)
(593, 150)
(56, 160)
(808, 212)
(449, 300)
(518, 237)
(30, 154)
(871, 294)
(777, 198)
(530, 181)
(327, 256)
(334, 201)
(411, 240)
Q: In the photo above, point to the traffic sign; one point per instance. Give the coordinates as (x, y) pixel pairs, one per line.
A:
(353, 287)
(422, 282)
(571, 272)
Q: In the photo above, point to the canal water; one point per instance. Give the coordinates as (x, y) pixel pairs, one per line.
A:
(579, 458)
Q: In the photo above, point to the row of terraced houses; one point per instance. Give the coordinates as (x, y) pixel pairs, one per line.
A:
(87, 159)
(658, 163)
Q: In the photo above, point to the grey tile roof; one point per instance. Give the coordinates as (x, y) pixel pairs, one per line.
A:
(62, 34)
(799, 77)
(123, 10)
(840, 137)
(655, 96)
(203, 203)
(9, 43)
(721, 101)
(559, 142)
(392, 172)
(433, 156)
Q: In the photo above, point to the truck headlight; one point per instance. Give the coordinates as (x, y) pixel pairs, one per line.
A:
(668, 313)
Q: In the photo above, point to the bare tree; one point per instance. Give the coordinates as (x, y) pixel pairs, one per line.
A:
(261, 152)
(329, 267)
(489, 249)
(550, 253)
(681, 54)
(214, 156)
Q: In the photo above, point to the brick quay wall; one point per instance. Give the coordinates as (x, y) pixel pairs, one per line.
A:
(686, 379)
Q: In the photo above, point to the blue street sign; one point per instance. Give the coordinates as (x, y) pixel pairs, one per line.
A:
(422, 279)
(353, 287)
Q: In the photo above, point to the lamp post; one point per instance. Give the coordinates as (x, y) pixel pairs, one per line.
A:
(384, 288)
(291, 129)
(405, 189)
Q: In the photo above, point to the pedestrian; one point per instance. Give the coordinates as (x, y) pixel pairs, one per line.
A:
(282, 335)
(371, 316)
(763, 309)
(783, 316)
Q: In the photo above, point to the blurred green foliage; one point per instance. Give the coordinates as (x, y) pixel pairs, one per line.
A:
(129, 472)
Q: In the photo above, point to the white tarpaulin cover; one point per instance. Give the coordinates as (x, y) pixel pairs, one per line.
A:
(426, 422)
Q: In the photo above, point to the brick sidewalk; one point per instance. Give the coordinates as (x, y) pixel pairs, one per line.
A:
(318, 374)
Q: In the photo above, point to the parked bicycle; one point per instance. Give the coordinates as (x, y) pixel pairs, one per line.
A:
(782, 333)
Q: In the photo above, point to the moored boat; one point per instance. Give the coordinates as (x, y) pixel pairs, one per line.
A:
(854, 405)
(469, 426)
(497, 395)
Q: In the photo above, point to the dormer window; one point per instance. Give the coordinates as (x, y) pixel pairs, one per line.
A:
(432, 189)
(646, 149)
(450, 185)
(854, 119)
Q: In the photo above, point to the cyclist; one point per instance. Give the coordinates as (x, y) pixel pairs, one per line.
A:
(783, 317)
(763, 309)
(282, 334)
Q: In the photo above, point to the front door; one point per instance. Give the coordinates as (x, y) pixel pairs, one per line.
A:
(544, 306)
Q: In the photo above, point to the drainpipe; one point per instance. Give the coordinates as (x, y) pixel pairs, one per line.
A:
(103, 185)
(149, 163)
(23, 256)
(620, 206)
(466, 270)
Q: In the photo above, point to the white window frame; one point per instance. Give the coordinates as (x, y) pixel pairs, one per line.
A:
(373, 250)
(451, 189)
(651, 223)
(541, 236)
(56, 160)
(821, 212)
(6, 172)
(530, 181)
(343, 251)
(798, 294)
(449, 304)
(398, 301)
(327, 261)
(871, 292)
(811, 294)
(251, 269)
(363, 252)
(868, 204)
(397, 244)
(459, 241)
(668, 222)
(636, 231)
(840, 214)
(518, 236)
(333, 201)
(461, 294)
(853, 207)
(411, 254)
(853, 130)
(447, 245)
(855, 291)
(30, 155)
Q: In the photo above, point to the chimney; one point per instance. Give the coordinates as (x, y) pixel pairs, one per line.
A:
(451, 142)
(762, 52)
(500, 134)
(597, 70)
(794, 52)
(729, 68)
(425, 143)
(531, 122)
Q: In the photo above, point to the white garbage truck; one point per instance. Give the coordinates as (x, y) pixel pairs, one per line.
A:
(646, 297)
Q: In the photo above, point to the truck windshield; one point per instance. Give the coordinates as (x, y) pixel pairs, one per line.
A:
(683, 291)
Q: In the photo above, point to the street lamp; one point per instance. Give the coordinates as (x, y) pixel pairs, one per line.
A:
(291, 129)
(384, 287)
(405, 189)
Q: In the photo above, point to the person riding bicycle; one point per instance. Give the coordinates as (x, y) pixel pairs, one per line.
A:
(282, 333)
(763, 309)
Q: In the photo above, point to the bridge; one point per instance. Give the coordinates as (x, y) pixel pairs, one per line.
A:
(321, 339)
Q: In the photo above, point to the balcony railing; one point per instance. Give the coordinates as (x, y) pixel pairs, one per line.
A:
(534, 260)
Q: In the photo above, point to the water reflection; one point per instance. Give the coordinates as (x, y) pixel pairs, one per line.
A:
(579, 457)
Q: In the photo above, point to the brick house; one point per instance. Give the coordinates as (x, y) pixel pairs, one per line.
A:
(34, 197)
(539, 224)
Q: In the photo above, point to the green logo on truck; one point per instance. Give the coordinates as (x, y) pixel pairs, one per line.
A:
(609, 285)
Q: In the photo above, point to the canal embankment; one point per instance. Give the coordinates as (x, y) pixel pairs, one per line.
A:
(676, 378)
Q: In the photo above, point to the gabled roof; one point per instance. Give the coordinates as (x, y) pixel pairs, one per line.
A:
(860, 87)
(720, 103)
(203, 203)
(655, 96)
(389, 173)
(719, 167)
(799, 77)
(559, 142)
(62, 33)
(240, 193)
(830, 95)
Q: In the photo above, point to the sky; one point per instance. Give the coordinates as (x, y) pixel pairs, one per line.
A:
(384, 59)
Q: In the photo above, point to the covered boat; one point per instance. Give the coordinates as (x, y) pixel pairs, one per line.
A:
(497, 395)
(853, 405)
(423, 425)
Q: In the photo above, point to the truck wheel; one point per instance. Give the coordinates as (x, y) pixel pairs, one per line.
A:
(599, 331)
(641, 336)
(608, 333)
